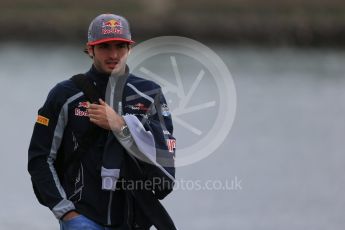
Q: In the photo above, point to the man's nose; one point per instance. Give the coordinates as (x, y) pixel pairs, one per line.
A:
(113, 52)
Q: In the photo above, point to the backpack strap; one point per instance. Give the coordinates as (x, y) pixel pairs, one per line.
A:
(87, 87)
(116, 87)
(92, 94)
(64, 163)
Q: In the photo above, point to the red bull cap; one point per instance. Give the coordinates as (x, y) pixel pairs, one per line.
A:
(109, 27)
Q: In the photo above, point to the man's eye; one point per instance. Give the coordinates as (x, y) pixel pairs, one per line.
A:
(103, 46)
(122, 45)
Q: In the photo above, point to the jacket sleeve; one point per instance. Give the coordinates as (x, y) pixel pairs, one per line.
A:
(161, 126)
(45, 142)
(153, 136)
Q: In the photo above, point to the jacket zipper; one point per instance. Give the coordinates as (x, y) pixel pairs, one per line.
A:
(109, 207)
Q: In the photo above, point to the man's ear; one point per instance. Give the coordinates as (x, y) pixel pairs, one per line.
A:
(90, 51)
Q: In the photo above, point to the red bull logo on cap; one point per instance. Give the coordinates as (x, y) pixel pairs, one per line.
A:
(112, 27)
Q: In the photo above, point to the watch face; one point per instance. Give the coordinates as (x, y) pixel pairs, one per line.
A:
(125, 131)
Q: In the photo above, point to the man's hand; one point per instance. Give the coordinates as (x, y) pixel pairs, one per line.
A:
(105, 117)
(70, 215)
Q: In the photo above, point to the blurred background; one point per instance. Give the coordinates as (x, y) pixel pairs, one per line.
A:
(296, 22)
(286, 144)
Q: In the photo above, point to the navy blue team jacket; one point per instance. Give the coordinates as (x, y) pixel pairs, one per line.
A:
(61, 123)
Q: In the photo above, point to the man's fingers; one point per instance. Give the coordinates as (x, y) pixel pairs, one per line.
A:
(93, 111)
(93, 120)
(99, 117)
(94, 116)
(96, 110)
(100, 123)
(92, 106)
(95, 106)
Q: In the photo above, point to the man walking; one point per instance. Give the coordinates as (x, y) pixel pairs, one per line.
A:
(84, 152)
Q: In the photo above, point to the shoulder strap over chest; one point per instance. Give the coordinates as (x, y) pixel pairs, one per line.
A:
(65, 163)
(87, 87)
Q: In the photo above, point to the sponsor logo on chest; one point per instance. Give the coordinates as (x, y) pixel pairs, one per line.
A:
(138, 107)
(80, 110)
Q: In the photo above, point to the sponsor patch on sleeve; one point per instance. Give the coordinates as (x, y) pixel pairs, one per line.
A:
(166, 132)
(171, 143)
(165, 110)
(42, 120)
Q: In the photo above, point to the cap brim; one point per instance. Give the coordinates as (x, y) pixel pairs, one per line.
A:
(109, 40)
